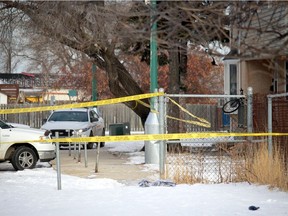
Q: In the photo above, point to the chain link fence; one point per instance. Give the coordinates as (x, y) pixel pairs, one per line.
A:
(206, 160)
(277, 122)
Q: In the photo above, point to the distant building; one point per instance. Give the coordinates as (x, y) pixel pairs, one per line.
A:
(3, 98)
(32, 88)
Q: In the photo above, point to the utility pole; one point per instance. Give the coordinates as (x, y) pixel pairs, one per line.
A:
(153, 51)
(152, 153)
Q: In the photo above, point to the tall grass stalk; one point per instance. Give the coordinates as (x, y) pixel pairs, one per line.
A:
(243, 163)
(262, 168)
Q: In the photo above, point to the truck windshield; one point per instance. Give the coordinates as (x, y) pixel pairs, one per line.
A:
(69, 116)
(3, 125)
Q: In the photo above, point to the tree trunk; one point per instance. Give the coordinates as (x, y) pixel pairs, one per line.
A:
(173, 88)
(122, 84)
(177, 68)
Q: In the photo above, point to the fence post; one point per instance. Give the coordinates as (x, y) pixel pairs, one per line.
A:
(269, 125)
(249, 110)
(162, 147)
(58, 165)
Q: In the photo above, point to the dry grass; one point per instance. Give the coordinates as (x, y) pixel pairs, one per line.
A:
(188, 168)
(262, 168)
(185, 177)
(249, 163)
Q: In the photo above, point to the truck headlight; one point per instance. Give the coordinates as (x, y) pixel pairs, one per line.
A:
(47, 132)
(82, 130)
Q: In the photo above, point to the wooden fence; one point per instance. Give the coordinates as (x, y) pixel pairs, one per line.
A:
(119, 113)
(112, 114)
(210, 112)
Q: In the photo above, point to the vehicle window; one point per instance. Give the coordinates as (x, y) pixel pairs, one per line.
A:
(69, 116)
(93, 115)
(3, 125)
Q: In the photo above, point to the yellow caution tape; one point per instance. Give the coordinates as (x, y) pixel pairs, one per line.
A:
(202, 122)
(84, 104)
(137, 98)
(150, 137)
(191, 122)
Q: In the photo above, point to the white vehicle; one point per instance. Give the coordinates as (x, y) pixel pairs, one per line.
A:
(18, 125)
(84, 122)
(22, 154)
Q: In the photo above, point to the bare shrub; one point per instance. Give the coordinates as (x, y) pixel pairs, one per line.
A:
(200, 165)
(183, 172)
(262, 168)
(241, 162)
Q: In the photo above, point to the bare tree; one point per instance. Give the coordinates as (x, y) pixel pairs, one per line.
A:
(102, 30)
(6, 41)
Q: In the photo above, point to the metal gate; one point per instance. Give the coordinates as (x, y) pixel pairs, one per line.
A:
(206, 159)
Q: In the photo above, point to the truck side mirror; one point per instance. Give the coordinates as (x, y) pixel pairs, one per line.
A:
(93, 119)
(44, 121)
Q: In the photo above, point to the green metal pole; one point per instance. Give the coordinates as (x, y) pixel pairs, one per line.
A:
(94, 83)
(153, 52)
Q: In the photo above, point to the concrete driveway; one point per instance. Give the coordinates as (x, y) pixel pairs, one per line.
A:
(113, 165)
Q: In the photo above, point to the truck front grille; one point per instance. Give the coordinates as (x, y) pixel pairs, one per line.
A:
(62, 133)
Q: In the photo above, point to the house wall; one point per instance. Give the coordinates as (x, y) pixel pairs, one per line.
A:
(256, 75)
(259, 33)
(3, 98)
(260, 44)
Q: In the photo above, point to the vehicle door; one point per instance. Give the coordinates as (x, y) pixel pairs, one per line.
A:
(97, 124)
(5, 134)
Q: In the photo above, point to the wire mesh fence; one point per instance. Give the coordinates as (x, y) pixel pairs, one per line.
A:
(205, 163)
(241, 162)
(277, 122)
(205, 160)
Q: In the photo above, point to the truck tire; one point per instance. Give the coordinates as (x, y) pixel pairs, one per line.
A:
(90, 145)
(24, 158)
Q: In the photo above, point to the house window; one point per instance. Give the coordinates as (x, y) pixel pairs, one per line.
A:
(233, 79)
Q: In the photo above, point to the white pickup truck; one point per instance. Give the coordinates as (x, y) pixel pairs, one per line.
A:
(22, 154)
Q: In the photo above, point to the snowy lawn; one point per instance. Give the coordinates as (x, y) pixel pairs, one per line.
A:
(34, 193)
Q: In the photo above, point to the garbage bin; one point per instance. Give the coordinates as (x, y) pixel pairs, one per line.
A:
(119, 129)
(225, 119)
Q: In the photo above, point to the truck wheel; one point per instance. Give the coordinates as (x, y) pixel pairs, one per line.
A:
(90, 145)
(24, 158)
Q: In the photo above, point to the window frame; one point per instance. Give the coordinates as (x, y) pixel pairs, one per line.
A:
(227, 76)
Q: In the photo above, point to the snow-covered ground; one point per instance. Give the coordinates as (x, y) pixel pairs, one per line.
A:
(34, 193)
